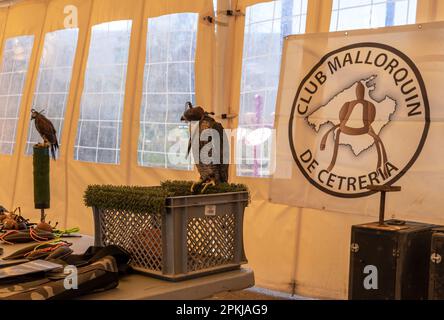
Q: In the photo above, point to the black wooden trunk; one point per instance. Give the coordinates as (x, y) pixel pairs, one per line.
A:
(436, 279)
(400, 251)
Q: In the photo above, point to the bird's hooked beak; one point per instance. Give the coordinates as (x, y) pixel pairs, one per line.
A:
(188, 105)
(189, 140)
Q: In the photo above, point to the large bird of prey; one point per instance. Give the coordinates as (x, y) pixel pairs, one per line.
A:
(211, 172)
(46, 130)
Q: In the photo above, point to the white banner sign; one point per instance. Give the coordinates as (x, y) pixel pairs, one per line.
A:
(362, 108)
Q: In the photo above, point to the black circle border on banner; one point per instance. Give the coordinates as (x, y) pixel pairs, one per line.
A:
(426, 108)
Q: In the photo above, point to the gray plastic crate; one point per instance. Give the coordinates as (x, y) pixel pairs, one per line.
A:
(195, 235)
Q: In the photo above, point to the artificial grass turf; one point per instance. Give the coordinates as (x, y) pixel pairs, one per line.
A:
(147, 199)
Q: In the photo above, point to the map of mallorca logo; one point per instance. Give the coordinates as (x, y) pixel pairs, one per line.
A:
(360, 117)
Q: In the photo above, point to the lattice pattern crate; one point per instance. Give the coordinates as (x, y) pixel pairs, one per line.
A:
(193, 236)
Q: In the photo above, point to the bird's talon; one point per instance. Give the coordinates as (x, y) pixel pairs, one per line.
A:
(207, 184)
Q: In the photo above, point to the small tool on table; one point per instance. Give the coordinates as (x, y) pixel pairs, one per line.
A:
(383, 190)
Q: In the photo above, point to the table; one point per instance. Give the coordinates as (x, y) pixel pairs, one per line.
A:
(142, 287)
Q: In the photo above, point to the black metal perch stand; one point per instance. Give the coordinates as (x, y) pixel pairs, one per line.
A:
(383, 190)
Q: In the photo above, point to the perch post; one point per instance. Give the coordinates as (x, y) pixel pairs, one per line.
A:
(383, 189)
(382, 208)
(41, 179)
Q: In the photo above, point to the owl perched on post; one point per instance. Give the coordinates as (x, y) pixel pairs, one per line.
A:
(46, 130)
(211, 172)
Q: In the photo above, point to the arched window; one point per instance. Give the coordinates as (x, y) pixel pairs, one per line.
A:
(100, 123)
(360, 14)
(53, 82)
(14, 69)
(168, 84)
(266, 25)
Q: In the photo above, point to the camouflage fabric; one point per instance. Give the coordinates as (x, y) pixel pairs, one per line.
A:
(97, 276)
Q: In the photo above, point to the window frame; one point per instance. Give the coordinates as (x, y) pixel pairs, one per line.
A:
(371, 6)
(143, 108)
(239, 59)
(76, 134)
(34, 92)
(22, 96)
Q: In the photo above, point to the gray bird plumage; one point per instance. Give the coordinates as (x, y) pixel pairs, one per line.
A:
(210, 173)
(46, 130)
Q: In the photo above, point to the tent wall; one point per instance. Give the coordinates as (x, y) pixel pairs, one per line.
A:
(301, 250)
(288, 248)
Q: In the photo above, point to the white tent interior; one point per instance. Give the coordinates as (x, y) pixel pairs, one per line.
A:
(156, 55)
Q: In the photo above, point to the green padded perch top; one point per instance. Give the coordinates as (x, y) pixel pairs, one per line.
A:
(41, 177)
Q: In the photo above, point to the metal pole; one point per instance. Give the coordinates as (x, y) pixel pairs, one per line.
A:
(258, 102)
(382, 209)
(390, 13)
